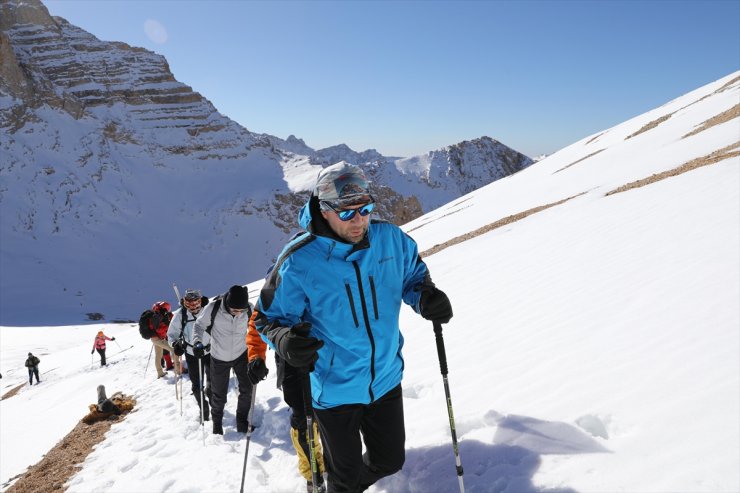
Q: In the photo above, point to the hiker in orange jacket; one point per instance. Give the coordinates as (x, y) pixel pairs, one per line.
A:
(99, 346)
(289, 380)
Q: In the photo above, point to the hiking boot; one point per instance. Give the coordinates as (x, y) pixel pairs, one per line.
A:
(218, 428)
(242, 422)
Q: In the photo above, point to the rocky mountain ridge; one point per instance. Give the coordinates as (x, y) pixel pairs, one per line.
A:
(113, 171)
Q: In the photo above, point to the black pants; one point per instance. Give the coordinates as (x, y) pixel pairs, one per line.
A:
(220, 372)
(33, 370)
(292, 385)
(342, 430)
(101, 352)
(194, 372)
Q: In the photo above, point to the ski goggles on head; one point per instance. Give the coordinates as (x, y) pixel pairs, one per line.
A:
(192, 295)
(348, 214)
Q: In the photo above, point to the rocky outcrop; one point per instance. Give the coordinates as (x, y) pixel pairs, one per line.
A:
(48, 61)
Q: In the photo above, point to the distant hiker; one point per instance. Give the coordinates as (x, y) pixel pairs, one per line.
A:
(332, 304)
(289, 380)
(99, 346)
(153, 325)
(226, 319)
(180, 337)
(32, 363)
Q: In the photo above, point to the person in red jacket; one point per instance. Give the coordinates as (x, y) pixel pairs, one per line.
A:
(99, 346)
(162, 319)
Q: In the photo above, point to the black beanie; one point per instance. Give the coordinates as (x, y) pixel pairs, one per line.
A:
(237, 298)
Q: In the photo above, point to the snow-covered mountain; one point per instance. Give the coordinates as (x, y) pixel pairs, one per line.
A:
(116, 179)
(594, 346)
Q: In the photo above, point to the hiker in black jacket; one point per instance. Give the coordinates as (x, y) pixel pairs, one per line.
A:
(32, 363)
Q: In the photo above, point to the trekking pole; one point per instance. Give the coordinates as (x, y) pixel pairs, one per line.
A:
(308, 409)
(179, 358)
(202, 416)
(249, 436)
(148, 359)
(178, 378)
(119, 346)
(92, 360)
(443, 368)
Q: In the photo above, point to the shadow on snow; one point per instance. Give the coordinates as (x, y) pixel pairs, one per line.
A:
(506, 466)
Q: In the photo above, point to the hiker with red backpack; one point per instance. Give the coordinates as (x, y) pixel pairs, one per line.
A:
(99, 345)
(153, 325)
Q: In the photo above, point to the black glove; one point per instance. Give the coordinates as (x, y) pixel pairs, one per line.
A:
(199, 350)
(434, 305)
(112, 338)
(297, 348)
(179, 347)
(257, 370)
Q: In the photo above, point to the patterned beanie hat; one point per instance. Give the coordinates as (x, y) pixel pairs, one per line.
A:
(342, 184)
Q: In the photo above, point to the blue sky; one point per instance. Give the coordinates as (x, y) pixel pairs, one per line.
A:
(407, 77)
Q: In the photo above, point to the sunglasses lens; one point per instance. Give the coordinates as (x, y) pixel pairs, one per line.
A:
(347, 215)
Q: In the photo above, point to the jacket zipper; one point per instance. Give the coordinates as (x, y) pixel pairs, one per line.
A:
(352, 304)
(375, 300)
(367, 328)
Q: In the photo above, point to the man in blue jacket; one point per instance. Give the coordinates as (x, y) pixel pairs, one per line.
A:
(332, 304)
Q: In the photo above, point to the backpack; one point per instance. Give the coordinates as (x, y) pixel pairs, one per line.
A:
(151, 320)
(146, 323)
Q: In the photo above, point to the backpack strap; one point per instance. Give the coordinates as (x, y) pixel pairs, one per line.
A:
(184, 320)
(216, 306)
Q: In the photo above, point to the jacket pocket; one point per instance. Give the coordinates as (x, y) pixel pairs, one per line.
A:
(352, 304)
(323, 376)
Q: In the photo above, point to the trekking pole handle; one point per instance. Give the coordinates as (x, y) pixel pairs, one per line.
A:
(440, 347)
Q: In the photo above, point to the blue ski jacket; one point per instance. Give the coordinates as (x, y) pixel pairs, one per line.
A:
(351, 294)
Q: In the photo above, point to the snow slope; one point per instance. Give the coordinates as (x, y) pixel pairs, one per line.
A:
(594, 346)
